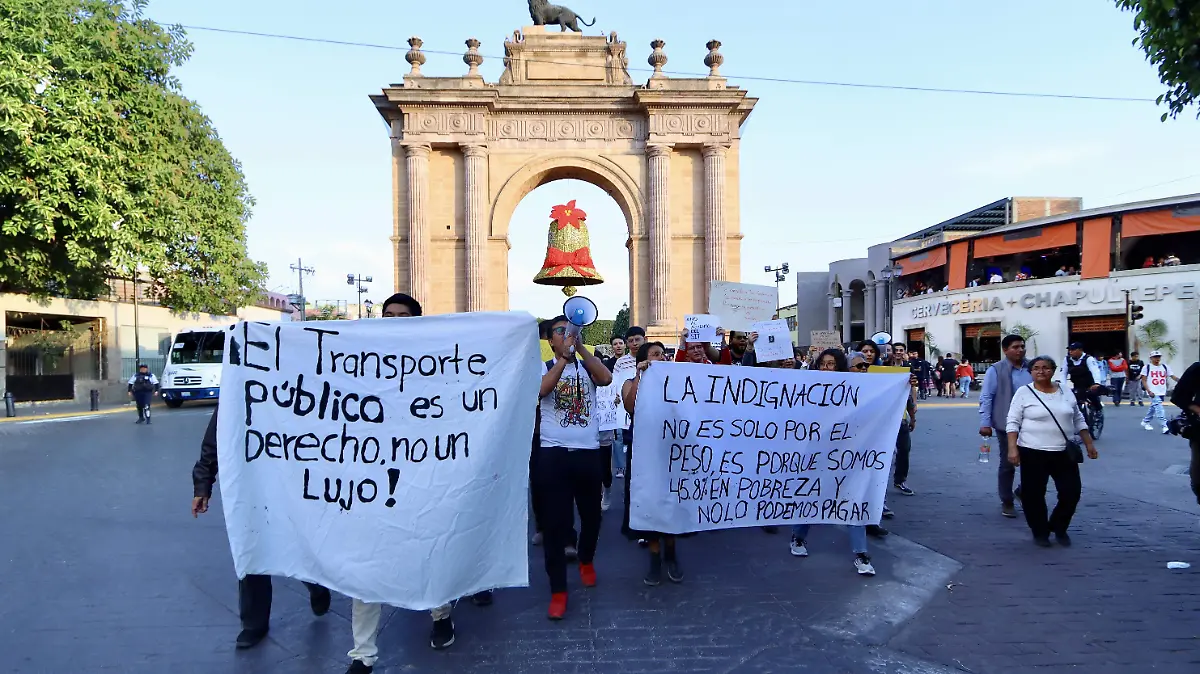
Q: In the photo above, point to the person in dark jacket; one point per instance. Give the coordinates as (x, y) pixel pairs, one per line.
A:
(143, 386)
(254, 591)
(1187, 398)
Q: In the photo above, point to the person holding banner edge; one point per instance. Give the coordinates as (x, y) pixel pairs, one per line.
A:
(254, 591)
(661, 546)
(568, 467)
(832, 360)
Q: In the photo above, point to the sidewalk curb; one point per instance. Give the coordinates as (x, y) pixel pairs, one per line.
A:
(66, 415)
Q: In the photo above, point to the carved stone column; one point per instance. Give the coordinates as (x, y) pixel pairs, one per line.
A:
(846, 314)
(869, 323)
(659, 158)
(881, 303)
(831, 317)
(417, 163)
(714, 212)
(475, 157)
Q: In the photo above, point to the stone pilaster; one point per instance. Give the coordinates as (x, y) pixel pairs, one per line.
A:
(417, 164)
(659, 159)
(869, 322)
(882, 299)
(831, 317)
(475, 157)
(846, 314)
(714, 213)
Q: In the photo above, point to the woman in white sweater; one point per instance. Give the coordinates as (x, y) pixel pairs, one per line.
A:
(1041, 417)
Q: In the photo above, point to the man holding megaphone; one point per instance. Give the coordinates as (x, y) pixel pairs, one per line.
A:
(569, 472)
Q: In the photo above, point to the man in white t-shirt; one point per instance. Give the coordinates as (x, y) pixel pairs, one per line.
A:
(569, 472)
(1154, 380)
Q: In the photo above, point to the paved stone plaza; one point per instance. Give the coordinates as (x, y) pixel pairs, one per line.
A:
(106, 571)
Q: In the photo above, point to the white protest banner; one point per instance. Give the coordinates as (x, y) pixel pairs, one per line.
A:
(377, 457)
(741, 304)
(774, 341)
(701, 327)
(825, 339)
(610, 407)
(719, 447)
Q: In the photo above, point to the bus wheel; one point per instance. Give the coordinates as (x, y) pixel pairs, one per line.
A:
(173, 404)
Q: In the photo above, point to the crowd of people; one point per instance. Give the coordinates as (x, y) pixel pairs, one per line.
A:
(573, 464)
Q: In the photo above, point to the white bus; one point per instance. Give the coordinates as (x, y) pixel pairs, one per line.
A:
(193, 370)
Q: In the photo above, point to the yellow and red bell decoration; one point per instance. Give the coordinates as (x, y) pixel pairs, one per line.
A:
(568, 252)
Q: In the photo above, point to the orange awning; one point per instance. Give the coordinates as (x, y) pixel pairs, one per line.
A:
(958, 265)
(1097, 248)
(1158, 222)
(1026, 240)
(930, 259)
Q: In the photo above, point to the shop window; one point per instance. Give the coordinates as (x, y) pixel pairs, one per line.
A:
(981, 344)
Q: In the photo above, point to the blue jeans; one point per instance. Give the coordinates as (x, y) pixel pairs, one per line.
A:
(1117, 384)
(858, 536)
(618, 451)
(1156, 410)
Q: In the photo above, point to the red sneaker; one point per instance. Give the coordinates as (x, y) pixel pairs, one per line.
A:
(587, 573)
(558, 606)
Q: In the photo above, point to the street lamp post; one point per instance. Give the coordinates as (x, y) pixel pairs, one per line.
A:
(358, 280)
(780, 272)
(888, 273)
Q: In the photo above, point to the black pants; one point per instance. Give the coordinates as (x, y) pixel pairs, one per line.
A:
(606, 456)
(563, 481)
(1007, 471)
(1194, 468)
(142, 400)
(254, 600)
(903, 449)
(535, 502)
(1037, 467)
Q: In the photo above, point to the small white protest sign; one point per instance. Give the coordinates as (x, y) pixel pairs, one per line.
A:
(739, 305)
(717, 448)
(774, 341)
(610, 408)
(375, 457)
(701, 327)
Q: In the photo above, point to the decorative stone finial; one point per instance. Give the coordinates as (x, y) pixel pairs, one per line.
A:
(473, 58)
(658, 58)
(714, 58)
(415, 58)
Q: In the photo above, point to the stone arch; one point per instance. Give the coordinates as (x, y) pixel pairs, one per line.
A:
(598, 171)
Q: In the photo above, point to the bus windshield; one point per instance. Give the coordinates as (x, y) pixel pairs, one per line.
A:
(198, 347)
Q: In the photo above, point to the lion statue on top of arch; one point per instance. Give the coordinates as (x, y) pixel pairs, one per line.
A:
(545, 14)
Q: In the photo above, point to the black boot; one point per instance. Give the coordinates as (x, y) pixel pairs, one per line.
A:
(654, 575)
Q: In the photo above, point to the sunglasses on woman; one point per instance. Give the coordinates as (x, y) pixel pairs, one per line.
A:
(861, 366)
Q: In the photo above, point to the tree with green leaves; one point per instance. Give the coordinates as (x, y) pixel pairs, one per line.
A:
(1169, 33)
(621, 322)
(106, 168)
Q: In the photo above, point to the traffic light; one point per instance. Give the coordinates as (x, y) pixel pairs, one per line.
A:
(1135, 313)
(349, 279)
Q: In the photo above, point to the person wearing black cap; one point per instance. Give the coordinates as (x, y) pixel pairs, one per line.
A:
(1084, 374)
(143, 386)
(254, 591)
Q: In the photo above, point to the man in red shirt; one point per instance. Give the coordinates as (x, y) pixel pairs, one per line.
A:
(1117, 367)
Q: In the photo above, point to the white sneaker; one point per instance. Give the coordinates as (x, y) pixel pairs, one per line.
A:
(1165, 430)
(1147, 426)
(862, 564)
(604, 504)
(798, 549)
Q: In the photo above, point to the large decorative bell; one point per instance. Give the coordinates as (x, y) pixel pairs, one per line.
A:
(568, 253)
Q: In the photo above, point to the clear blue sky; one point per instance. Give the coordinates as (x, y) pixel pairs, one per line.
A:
(826, 171)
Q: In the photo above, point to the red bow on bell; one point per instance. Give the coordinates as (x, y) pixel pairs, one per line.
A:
(577, 260)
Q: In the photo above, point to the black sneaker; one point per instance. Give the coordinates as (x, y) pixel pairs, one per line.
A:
(903, 489)
(442, 636)
(140, 421)
(876, 531)
(1063, 539)
(674, 573)
(148, 422)
(318, 600)
(250, 638)
(1041, 541)
(359, 667)
(482, 598)
(1008, 510)
(887, 513)
(654, 575)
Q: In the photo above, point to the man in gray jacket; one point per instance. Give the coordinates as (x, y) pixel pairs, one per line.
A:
(999, 384)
